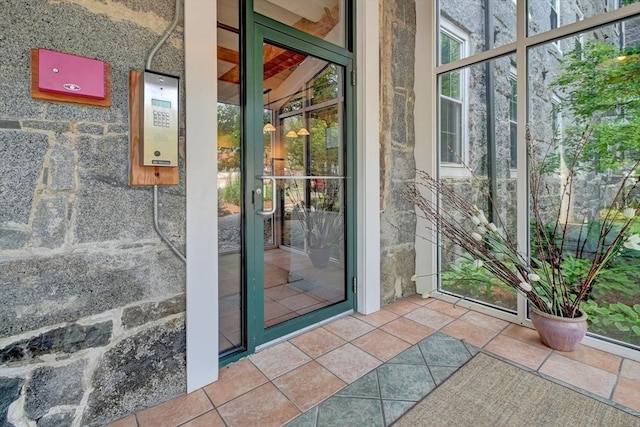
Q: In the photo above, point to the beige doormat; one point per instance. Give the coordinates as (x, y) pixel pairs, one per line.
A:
(489, 392)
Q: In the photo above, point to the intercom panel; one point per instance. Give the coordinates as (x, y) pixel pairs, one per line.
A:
(159, 134)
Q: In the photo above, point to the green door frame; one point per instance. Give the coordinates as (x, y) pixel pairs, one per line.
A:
(256, 30)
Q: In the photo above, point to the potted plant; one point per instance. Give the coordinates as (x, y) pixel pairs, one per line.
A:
(543, 277)
(320, 217)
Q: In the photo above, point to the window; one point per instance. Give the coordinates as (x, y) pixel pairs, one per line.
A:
(554, 14)
(513, 120)
(451, 101)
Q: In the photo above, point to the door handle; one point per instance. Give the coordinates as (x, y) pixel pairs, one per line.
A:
(273, 202)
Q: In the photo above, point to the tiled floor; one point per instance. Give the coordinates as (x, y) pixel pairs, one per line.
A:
(277, 385)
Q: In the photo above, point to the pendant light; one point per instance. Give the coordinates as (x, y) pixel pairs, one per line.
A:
(291, 134)
(268, 127)
(303, 132)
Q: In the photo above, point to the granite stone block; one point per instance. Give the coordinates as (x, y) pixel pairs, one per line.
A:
(61, 418)
(106, 207)
(62, 169)
(55, 126)
(118, 128)
(148, 312)
(9, 391)
(9, 124)
(68, 339)
(13, 239)
(50, 387)
(90, 128)
(22, 155)
(82, 284)
(50, 222)
(138, 372)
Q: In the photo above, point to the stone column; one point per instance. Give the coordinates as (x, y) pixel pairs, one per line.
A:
(397, 142)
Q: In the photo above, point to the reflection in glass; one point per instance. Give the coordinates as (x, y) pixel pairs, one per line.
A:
(321, 18)
(229, 188)
(480, 168)
(545, 15)
(587, 104)
(470, 30)
(305, 271)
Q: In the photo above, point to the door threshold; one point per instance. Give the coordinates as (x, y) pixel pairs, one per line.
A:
(302, 331)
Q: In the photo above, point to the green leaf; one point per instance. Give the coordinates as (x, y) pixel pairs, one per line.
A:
(621, 327)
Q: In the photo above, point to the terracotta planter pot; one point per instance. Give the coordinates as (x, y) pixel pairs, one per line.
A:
(559, 333)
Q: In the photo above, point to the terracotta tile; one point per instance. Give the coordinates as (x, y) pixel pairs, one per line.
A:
(417, 299)
(298, 302)
(627, 393)
(378, 318)
(524, 334)
(175, 411)
(579, 374)
(313, 307)
(381, 345)
(275, 321)
(348, 328)
(317, 342)
(264, 406)
(431, 318)
(273, 310)
(598, 358)
(408, 330)
(308, 385)
(210, 419)
(234, 380)
(279, 359)
(401, 307)
(447, 308)
(630, 369)
(469, 332)
(280, 292)
(485, 321)
(518, 351)
(129, 421)
(348, 362)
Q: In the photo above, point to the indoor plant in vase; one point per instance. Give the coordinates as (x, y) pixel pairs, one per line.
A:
(543, 274)
(320, 217)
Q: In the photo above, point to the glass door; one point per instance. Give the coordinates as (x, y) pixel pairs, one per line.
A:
(301, 198)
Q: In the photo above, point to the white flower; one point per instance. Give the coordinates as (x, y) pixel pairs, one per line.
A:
(478, 263)
(476, 237)
(475, 220)
(633, 242)
(482, 230)
(525, 286)
(491, 226)
(482, 218)
(414, 277)
(629, 213)
(533, 277)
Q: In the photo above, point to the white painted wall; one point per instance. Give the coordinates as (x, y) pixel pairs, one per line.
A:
(368, 140)
(202, 213)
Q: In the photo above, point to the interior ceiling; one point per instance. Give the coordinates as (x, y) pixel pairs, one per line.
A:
(318, 18)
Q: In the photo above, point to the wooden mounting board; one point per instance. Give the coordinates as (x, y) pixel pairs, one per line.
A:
(143, 175)
(36, 93)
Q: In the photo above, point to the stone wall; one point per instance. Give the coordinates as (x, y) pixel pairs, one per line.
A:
(92, 307)
(397, 142)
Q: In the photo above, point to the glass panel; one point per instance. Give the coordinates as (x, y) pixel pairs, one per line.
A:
(545, 15)
(229, 185)
(306, 270)
(321, 18)
(465, 28)
(584, 129)
(482, 174)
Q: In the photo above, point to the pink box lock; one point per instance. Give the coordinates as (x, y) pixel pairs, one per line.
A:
(72, 75)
